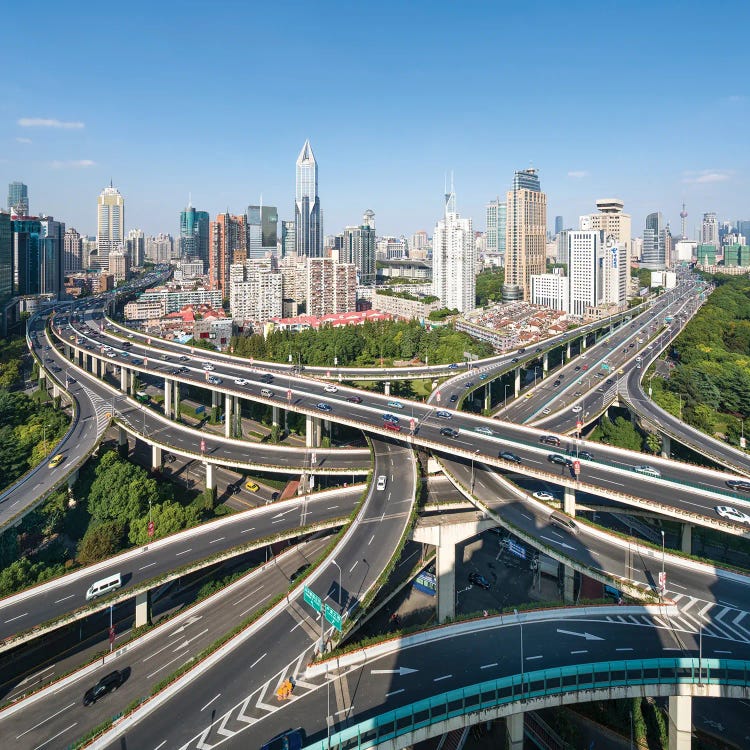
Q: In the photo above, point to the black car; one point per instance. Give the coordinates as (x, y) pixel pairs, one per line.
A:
(586, 455)
(556, 458)
(510, 456)
(453, 398)
(449, 432)
(470, 384)
(267, 378)
(354, 399)
(739, 484)
(556, 383)
(577, 368)
(297, 573)
(107, 684)
(477, 579)
(515, 359)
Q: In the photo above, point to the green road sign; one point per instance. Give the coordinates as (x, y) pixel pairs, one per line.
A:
(313, 600)
(333, 617)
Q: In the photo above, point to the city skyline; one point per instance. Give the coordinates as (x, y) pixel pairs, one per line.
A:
(66, 151)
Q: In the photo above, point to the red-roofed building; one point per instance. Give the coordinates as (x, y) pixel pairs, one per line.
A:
(303, 322)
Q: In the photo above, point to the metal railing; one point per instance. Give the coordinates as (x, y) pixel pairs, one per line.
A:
(543, 683)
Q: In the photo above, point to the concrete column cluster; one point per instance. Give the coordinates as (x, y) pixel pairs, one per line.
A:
(514, 728)
(167, 398)
(313, 431)
(680, 722)
(517, 382)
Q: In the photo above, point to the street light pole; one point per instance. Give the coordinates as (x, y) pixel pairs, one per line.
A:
(505, 395)
(520, 625)
(662, 588)
(473, 456)
(339, 567)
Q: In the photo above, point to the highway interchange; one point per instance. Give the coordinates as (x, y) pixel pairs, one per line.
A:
(726, 594)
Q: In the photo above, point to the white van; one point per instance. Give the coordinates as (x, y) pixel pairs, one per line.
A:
(382, 479)
(266, 393)
(105, 586)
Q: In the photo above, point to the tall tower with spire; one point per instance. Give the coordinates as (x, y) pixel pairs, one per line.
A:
(110, 222)
(308, 217)
(453, 258)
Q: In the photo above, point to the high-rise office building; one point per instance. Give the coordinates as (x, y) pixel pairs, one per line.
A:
(25, 249)
(308, 217)
(159, 248)
(110, 222)
(288, 241)
(653, 255)
(496, 225)
(262, 231)
(6, 267)
(710, 230)
(135, 245)
(584, 270)
(18, 199)
(51, 255)
(359, 248)
(420, 241)
(525, 235)
(454, 259)
(558, 224)
(228, 245)
(72, 251)
(119, 265)
(615, 223)
(194, 233)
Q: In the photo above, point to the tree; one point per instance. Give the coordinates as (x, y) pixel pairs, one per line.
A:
(168, 517)
(653, 443)
(101, 541)
(489, 287)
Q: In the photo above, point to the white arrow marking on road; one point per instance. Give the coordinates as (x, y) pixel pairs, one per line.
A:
(190, 640)
(401, 671)
(188, 622)
(587, 636)
(557, 541)
(280, 515)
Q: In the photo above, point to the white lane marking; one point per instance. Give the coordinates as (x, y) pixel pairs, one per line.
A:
(65, 598)
(332, 507)
(444, 677)
(46, 742)
(257, 660)
(213, 541)
(354, 566)
(677, 586)
(242, 599)
(487, 666)
(184, 552)
(608, 481)
(395, 692)
(17, 617)
(215, 698)
(160, 745)
(624, 649)
(717, 651)
(530, 658)
(671, 648)
(368, 544)
(244, 531)
(156, 671)
(30, 729)
(584, 651)
(257, 604)
(148, 566)
(171, 643)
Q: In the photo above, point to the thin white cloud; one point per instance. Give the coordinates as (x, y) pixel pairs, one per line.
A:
(41, 122)
(578, 174)
(706, 177)
(72, 164)
(736, 99)
(23, 140)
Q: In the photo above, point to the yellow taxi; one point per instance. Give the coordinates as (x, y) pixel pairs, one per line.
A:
(56, 460)
(252, 486)
(621, 371)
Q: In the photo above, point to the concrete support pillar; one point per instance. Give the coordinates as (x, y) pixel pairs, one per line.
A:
(387, 385)
(156, 462)
(545, 362)
(514, 728)
(143, 609)
(214, 399)
(312, 432)
(72, 478)
(680, 722)
(55, 390)
(227, 416)
(517, 382)
(66, 350)
(666, 445)
(583, 343)
(167, 398)
(567, 351)
(446, 579)
(487, 397)
(176, 388)
(569, 501)
(131, 383)
(79, 357)
(122, 438)
(568, 581)
(275, 416)
(210, 478)
(237, 418)
(124, 379)
(686, 538)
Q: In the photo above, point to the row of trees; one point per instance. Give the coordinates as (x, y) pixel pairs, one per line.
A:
(364, 345)
(710, 385)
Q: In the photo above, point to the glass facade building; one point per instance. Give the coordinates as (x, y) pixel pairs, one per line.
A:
(194, 234)
(18, 198)
(308, 219)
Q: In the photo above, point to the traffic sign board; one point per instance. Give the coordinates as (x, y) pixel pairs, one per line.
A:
(151, 528)
(333, 617)
(576, 467)
(312, 599)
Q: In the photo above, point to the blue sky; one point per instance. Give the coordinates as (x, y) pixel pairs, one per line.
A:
(649, 102)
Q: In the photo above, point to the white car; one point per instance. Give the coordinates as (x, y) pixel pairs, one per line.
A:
(330, 388)
(545, 496)
(484, 430)
(577, 409)
(382, 479)
(648, 470)
(546, 410)
(732, 514)
(241, 381)
(208, 366)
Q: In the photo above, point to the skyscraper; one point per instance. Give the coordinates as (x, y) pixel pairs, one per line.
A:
(308, 218)
(525, 234)
(51, 239)
(135, 244)
(18, 199)
(194, 233)
(72, 251)
(6, 266)
(25, 249)
(288, 241)
(262, 231)
(228, 245)
(653, 255)
(615, 224)
(710, 230)
(359, 248)
(110, 222)
(558, 224)
(453, 259)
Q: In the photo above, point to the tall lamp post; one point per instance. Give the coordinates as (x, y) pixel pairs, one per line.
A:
(473, 456)
(662, 587)
(520, 625)
(333, 562)
(505, 394)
